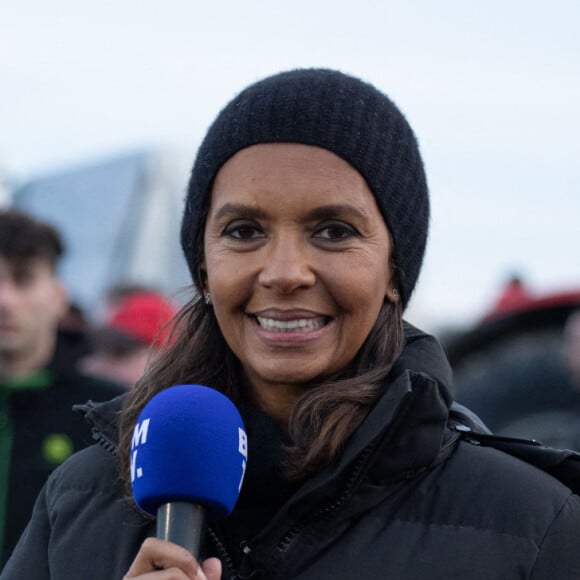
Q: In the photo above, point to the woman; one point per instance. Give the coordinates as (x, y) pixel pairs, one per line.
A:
(304, 229)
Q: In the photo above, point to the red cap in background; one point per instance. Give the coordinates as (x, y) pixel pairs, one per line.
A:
(143, 315)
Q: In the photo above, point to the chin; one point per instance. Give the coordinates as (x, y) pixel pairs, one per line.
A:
(290, 377)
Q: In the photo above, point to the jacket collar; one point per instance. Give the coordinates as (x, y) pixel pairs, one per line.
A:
(407, 424)
(413, 411)
(104, 420)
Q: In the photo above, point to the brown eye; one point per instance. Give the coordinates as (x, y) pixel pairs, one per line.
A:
(243, 231)
(336, 232)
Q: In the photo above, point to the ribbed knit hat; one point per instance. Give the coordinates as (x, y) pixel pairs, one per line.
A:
(337, 112)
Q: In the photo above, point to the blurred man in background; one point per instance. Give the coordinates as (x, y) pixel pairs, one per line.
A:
(135, 327)
(39, 377)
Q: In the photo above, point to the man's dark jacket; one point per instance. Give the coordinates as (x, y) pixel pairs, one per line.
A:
(409, 498)
(43, 431)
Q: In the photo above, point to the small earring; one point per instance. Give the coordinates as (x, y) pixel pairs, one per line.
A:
(395, 293)
(207, 298)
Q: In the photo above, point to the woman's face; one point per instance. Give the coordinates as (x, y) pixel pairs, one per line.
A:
(297, 262)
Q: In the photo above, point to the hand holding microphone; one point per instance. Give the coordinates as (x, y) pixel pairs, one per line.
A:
(158, 556)
(188, 459)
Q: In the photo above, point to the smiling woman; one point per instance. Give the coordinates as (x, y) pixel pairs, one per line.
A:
(291, 231)
(304, 229)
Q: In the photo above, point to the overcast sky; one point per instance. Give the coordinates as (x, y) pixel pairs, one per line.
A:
(491, 88)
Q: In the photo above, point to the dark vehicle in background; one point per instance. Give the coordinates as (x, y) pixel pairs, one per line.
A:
(511, 370)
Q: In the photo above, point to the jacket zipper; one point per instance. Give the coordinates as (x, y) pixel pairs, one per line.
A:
(223, 554)
(287, 540)
(289, 537)
(295, 530)
(104, 441)
(96, 433)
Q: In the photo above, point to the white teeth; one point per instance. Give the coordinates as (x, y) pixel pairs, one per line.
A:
(300, 325)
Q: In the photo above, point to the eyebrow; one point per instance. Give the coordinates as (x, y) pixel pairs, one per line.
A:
(337, 210)
(239, 210)
(330, 211)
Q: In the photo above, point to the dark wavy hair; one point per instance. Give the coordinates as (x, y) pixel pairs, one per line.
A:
(322, 419)
(24, 238)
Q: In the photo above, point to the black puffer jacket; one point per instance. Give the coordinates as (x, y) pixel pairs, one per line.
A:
(408, 499)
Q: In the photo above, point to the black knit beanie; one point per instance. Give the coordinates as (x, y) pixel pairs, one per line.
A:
(337, 112)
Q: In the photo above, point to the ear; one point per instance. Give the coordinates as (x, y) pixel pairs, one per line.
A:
(393, 294)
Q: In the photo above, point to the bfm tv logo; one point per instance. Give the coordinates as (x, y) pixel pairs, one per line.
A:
(141, 433)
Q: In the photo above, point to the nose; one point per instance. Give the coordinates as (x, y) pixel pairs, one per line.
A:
(287, 265)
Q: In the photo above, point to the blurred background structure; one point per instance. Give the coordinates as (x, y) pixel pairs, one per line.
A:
(120, 218)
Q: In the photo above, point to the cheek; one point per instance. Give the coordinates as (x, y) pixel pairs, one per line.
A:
(49, 304)
(229, 278)
(360, 296)
(229, 295)
(362, 285)
(228, 288)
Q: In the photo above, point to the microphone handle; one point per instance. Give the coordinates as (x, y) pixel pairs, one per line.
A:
(181, 523)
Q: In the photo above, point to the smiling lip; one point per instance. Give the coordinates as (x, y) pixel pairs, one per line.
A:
(290, 325)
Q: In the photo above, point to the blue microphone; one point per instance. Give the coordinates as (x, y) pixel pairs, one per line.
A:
(188, 459)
